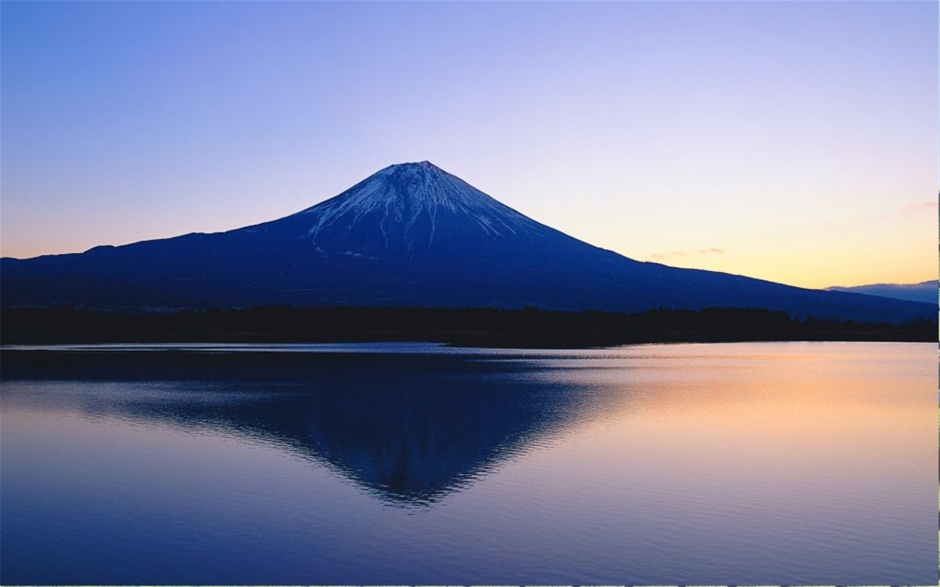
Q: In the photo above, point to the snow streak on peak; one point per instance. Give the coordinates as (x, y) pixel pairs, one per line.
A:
(409, 199)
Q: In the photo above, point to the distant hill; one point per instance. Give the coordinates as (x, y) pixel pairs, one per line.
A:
(410, 235)
(926, 291)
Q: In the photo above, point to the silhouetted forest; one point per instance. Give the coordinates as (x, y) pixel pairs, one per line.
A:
(469, 327)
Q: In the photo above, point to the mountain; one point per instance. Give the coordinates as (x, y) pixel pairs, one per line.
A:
(926, 291)
(409, 235)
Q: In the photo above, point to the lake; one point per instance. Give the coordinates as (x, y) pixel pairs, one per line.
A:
(750, 463)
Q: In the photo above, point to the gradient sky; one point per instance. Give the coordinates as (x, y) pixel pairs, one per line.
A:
(791, 141)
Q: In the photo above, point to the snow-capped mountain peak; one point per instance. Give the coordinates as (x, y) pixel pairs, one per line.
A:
(413, 206)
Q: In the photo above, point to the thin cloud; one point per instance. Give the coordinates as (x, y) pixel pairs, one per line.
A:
(672, 254)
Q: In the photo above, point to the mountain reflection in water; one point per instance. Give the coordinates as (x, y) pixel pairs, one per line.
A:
(410, 428)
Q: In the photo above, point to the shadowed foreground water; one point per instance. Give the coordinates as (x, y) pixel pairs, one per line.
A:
(770, 463)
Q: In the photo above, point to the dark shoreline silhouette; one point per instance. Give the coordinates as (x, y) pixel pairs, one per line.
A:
(484, 327)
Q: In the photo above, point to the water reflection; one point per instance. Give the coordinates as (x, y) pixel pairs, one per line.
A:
(785, 463)
(408, 428)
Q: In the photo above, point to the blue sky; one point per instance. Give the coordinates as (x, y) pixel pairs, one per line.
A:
(792, 141)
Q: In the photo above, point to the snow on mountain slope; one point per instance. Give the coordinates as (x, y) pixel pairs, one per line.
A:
(407, 208)
(407, 191)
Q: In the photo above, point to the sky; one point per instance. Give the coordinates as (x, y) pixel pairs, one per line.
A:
(790, 141)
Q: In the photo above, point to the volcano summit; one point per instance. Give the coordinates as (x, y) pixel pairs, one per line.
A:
(409, 235)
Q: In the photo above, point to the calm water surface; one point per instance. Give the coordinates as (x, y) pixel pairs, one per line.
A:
(771, 463)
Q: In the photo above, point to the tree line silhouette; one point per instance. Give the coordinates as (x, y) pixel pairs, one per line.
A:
(471, 327)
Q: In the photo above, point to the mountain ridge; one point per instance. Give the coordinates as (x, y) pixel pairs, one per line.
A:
(924, 291)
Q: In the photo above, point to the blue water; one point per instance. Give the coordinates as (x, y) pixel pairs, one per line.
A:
(770, 463)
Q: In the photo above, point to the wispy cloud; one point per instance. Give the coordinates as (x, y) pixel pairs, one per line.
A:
(923, 206)
(686, 253)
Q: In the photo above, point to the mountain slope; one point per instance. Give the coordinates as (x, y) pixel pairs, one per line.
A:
(409, 235)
